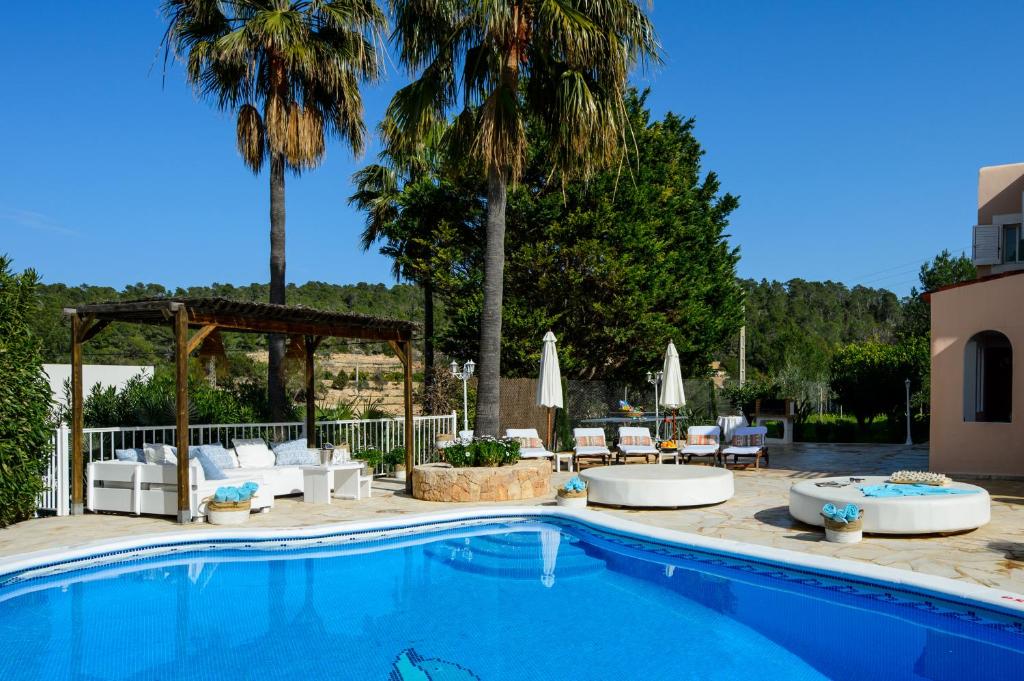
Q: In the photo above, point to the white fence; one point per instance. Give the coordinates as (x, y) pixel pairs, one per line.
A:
(98, 444)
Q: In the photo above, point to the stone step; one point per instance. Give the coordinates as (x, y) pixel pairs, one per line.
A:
(513, 558)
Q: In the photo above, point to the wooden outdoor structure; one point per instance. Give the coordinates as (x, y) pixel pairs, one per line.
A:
(306, 326)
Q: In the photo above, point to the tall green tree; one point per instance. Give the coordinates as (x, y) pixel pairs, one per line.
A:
(24, 397)
(944, 269)
(497, 64)
(290, 71)
(422, 214)
(618, 266)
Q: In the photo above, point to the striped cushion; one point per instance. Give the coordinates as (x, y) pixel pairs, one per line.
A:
(590, 441)
(530, 443)
(747, 440)
(636, 440)
(701, 440)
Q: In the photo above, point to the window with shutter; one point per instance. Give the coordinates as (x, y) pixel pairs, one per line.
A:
(986, 244)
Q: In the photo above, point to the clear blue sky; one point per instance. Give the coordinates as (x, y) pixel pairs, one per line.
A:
(852, 131)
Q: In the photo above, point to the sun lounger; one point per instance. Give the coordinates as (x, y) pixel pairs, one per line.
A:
(635, 442)
(530, 444)
(590, 444)
(702, 442)
(747, 442)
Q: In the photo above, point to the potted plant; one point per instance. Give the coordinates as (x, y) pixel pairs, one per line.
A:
(230, 505)
(842, 525)
(572, 494)
(371, 459)
(395, 459)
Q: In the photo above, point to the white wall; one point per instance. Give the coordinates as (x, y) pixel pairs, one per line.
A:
(105, 374)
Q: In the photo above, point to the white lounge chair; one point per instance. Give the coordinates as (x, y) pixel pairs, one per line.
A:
(702, 441)
(531, 446)
(590, 444)
(634, 441)
(748, 442)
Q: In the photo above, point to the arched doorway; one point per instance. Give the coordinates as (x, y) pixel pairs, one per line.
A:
(988, 378)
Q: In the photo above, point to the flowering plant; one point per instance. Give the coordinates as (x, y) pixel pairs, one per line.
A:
(575, 487)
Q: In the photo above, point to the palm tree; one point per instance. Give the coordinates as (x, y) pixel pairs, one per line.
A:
(290, 71)
(421, 214)
(501, 65)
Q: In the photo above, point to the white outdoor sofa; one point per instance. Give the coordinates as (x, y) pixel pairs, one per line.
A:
(532, 446)
(152, 488)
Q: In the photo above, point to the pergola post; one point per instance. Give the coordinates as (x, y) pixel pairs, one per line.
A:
(77, 420)
(409, 444)
(310, 345)
(181, 344)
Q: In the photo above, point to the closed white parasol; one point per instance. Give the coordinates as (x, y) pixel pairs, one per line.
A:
(549, 385)
(672, 396)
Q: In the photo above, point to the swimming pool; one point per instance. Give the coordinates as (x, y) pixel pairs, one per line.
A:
(534, 595)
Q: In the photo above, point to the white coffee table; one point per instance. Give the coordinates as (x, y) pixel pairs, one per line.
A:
(658, 485)
(893, 515)
(344, 479)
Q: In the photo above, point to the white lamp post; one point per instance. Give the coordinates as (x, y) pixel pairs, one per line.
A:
(909, 440)
(654, 379)
(464, 375)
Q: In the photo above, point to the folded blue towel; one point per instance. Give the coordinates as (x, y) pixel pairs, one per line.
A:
(844, 515)
(889, 490)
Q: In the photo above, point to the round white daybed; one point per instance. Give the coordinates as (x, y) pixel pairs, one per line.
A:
(657, 485)
(937, 513)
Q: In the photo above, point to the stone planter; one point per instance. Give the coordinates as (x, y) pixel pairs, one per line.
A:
(399, 472)
(441, 482)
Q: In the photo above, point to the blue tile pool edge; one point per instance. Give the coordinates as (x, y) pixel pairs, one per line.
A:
(769, 561)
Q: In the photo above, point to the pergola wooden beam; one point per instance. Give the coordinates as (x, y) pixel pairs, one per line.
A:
(77, 422)
(309, 326)
(181, 353)
(199, 336)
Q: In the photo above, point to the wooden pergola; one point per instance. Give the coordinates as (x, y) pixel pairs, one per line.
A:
(306, 326)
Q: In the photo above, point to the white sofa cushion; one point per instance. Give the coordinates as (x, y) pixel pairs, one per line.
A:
(160, 453)
(253, 453)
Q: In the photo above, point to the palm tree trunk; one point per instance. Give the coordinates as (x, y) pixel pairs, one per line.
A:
(275, 365)
(428, 335)
(488, 397)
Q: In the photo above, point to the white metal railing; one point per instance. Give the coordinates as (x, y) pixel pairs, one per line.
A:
(98, 444)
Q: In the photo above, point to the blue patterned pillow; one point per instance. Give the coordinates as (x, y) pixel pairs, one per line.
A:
(134, 455)
(211, 470)
(295, 453)
(223, 458)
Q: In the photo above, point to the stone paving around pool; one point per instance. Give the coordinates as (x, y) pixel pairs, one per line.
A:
(992, 555)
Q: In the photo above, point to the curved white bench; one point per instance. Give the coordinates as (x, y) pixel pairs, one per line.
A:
(893, 515)
(657, 485)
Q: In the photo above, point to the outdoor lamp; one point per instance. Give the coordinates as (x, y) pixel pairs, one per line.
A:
(467, 371)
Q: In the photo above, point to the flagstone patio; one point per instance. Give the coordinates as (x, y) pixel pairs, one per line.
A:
(992, 555)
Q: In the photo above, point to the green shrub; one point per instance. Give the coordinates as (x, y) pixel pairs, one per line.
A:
(744, 397)
(869, 377)
(25, 426)
(483, 452)
(395, 457)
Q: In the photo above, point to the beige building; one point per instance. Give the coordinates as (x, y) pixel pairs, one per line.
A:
(976, 326)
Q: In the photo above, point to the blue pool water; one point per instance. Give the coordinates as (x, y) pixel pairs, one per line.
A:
(511, 599)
